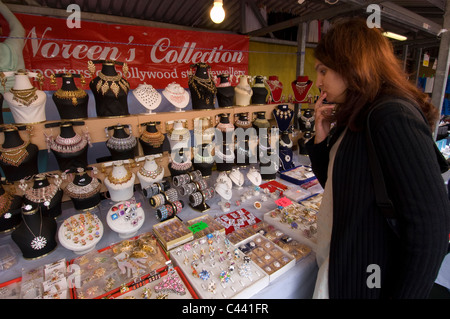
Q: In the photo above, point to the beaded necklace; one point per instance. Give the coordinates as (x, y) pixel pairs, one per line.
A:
(15, 155)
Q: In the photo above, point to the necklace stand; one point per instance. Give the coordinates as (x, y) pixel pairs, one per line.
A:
(283, 116)
(224, 158)
(260, 123)
(120, 183)
(203, 160)
(177, 96)
(36, 235)
(111, 92)
(202, 88)
(86, 195)
(71, 102)
(276, 89)
(22, 158)
(237, 177)
(243, 91)
(152, 140)
(148, 97)
(259, 96)
(75, 157)
(301, 87)
(10, 213)
(269, 165)
(151, 172)
(27, 104)
(47, 196)
(225, 92)
(121, 145)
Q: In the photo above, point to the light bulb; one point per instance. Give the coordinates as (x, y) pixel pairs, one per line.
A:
(217, 13)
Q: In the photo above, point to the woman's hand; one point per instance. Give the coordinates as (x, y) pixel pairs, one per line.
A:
(322, 113)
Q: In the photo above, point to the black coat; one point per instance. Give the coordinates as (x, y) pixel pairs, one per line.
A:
(360, 235)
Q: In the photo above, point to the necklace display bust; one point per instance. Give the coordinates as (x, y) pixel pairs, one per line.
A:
(45, 194)
(275, 88)
(69, 147)
(152, 140)
(18, 158)
(36, 236)
(260, 92)
(202, 87)
(71, 102)
(243, 91)
(147, 96)
(120, 182)
(283, 115)
(10, 213)
(121, 145)
(224, 157)
(176, 95)
(260, 123)
(301, 87)
(150, 172)
(109, 88)
(26, 102)
(83, 190)
(225, 92)
(203, 160)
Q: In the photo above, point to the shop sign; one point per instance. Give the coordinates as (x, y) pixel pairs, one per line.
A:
(154, 56)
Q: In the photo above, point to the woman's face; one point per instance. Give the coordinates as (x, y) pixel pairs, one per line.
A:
(331, 83)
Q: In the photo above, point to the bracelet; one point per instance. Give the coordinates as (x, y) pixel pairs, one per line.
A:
(188, 189)
(171, 195)
(201, 184)
(196, 198)
(182, 179)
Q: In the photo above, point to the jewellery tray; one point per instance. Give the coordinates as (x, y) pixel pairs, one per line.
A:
(103, 276)
(237, 219)
(203, 225)
(172, 233)
(298, 175)
(244, 287)
(296, 225)
(136, 291)
(266, 254)
(284, 241)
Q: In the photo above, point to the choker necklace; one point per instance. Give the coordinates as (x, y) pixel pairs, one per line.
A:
(103, 86)
(301, 87)
(307, 120)
(225, 127)
(39, 241)
(151, 174)
(155, 139)
(226, 158)
(120, 180)
(284, 144)
(181, 166)
(205, 88)
(121, 144)
(71, 95)
(198, 158)
(25, 97)
(66, 145)
(42, 195)
(80, 192)
(283, 114)
(14, 156)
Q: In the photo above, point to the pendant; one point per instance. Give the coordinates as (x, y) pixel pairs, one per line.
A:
(38, 243)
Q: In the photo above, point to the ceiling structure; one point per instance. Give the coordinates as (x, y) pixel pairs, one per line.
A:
(272, 19)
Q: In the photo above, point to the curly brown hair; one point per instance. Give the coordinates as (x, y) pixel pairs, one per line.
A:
(366, 60)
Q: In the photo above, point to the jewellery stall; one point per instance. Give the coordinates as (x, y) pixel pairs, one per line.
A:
(140, 201)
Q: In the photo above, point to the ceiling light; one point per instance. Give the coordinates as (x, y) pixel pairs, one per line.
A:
(395, 36)
(217, 13)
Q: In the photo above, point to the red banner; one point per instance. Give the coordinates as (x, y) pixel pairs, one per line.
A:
(154, 56)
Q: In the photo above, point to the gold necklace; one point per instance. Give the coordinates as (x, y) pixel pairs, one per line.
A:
(120, 180)
(71, 95)
(26, 96)
(117, 82)
(14, 156)
(5, 203)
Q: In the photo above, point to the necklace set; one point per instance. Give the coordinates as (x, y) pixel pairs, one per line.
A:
(203, 87)
(117, 83)
(72, 144)
(83, 191)
(14, 156)
(155, 139)
(25, 96)
(71, 95)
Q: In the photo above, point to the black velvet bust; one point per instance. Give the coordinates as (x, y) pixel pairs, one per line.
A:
(204, 161)
(54, 208)
(73, 159)
(27, 167)
(10, 213)
(107, 104)
(124, 153)
(225, 92)
(260, 93)
(83, 179)
(202, 88)
(180, 157)
(260, 123)
(71, 108)
(224, 165)
(40, 226)
(269, 165)
(151, 148)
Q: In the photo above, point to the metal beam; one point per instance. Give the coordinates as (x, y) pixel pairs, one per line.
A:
(443, 64)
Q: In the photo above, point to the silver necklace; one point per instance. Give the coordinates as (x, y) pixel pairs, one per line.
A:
(40, 241)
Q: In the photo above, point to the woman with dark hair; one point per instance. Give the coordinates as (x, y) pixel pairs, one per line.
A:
(358, 254)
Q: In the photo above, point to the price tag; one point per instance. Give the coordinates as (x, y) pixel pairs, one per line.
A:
(198, 226)
(283, 202)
